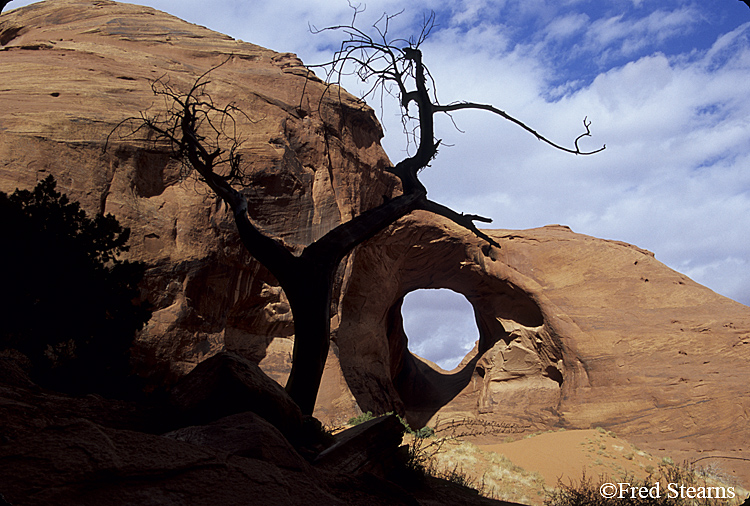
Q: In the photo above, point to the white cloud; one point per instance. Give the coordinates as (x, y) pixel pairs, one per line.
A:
(673, 179)
(440, 325)
(468, 12)
(566, 26)
(624, 36)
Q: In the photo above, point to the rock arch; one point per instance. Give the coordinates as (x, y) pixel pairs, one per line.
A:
(516, 350)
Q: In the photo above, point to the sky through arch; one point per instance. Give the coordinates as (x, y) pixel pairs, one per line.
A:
(440, 325)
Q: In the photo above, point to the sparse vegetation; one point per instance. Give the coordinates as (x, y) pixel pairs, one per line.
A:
(606, 432)
(441, 453)
(468, 427)
(672, 485)
(501, 478)
(458, 476)
(424, 432)
(362, 418)
(422, 454)
(495, 476)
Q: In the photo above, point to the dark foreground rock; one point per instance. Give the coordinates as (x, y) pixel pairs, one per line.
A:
(368, 447)
(226, 384)
(62, 450)
(246, 435)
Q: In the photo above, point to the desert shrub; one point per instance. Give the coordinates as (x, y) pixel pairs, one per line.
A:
(698, 489)
(424, 432)
(456, 475)
(422, 452)
(69, 303)
(362, 418)
(499, 479)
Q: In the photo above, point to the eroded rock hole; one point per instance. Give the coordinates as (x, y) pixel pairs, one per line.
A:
(440, 325)
(554, 373)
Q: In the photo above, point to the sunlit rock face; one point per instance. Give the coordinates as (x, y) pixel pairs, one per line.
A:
(72, 70)
(574, 331)
(423, 251)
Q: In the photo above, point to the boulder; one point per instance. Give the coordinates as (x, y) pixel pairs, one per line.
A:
(45, 459)
(247, 435)
(226, 384)
(51, 452)
(371, 447)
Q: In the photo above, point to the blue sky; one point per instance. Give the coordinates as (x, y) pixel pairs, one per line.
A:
(665, 83)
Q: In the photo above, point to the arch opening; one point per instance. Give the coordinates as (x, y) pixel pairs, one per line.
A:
(440, 326)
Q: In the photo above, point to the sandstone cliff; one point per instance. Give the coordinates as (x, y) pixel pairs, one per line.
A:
(581, 332)
(575, 331)
(73, 70)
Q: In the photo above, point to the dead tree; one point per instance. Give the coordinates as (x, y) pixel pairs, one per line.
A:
(203, 136)
(394, 67)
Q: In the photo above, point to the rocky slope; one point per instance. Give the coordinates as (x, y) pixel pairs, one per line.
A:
(575, 331)
(57, 449)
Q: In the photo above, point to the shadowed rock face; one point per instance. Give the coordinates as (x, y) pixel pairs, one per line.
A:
(574, 331)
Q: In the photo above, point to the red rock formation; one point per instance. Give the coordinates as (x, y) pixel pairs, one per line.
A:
(72, 70)
(580, 332)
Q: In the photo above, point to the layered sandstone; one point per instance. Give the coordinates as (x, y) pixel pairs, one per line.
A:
(575, 331)
(72, 70)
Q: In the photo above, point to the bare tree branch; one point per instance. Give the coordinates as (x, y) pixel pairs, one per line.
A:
(485, 107)
(204, 137)
(395, 67)
(464, 220)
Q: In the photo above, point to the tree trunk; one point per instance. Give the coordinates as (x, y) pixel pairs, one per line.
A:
(310, 301)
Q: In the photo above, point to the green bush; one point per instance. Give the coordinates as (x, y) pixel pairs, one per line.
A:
(424, 432)
(364, 417)
(69, 303)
